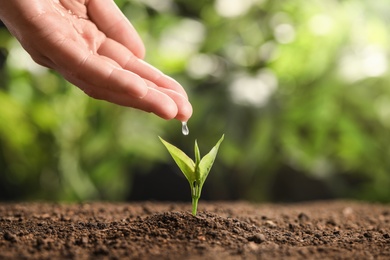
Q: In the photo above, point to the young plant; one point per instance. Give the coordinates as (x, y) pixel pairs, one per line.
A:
(195, 172)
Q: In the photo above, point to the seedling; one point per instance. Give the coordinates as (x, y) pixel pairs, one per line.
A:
(195, 172)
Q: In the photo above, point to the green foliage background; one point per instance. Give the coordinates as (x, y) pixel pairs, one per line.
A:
(300, 89)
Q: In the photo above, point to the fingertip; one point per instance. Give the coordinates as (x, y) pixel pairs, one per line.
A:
(185, 112)
(159, 104)
(176, 86)
(180, 102)
(170, 112)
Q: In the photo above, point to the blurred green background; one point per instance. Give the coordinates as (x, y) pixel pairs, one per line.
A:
(299, 88)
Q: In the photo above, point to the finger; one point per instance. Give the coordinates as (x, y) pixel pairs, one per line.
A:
(76, 64)
(182, 103)
(184, 107)
(154, 102)
(111, 21)
(127, 60)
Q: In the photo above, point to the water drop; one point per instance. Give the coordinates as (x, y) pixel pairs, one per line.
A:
(184, 128)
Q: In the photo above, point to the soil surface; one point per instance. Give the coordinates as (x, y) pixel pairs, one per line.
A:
(237, 230)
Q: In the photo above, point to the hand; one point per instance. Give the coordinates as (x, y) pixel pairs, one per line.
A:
(94, 46)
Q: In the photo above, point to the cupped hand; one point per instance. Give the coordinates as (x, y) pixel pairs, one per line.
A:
(94, 46)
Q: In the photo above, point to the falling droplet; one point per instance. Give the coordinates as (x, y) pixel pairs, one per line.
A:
(184, 128)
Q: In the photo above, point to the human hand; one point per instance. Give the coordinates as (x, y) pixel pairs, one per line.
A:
(94, 46)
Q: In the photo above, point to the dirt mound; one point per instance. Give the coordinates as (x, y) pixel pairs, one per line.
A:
(196, 234)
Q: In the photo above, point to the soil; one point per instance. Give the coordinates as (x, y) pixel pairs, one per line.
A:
(236, 230)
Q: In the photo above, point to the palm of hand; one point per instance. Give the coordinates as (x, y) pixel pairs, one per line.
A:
(94, 47)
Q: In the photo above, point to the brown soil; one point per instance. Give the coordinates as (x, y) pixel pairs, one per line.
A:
(239, 230)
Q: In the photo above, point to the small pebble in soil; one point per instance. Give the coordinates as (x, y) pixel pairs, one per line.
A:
(303, 217)
(270, 224)
(347, 212)
(257, 238)
(367, 235)
(292, 226)
(10, 237)
(101, 250)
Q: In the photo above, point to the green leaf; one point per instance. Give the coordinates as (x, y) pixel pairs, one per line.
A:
(186, 164)
(197, 154)
(207, 162)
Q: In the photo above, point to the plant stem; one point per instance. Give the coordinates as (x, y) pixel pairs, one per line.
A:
(194, 205)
